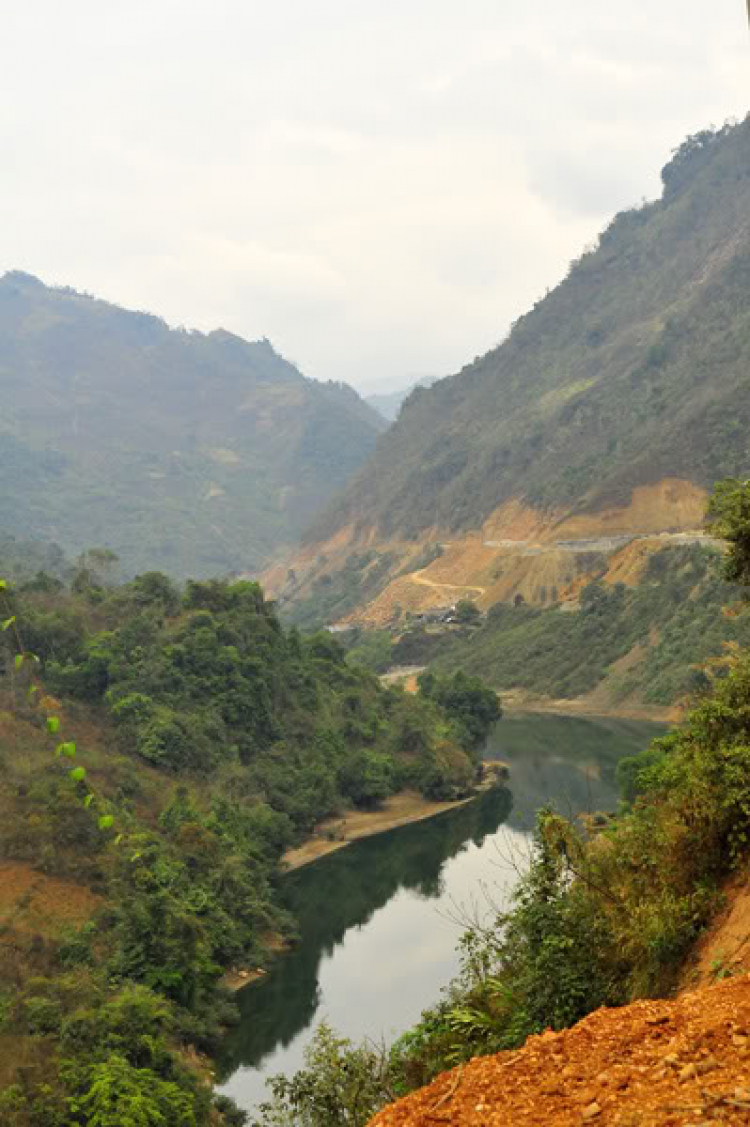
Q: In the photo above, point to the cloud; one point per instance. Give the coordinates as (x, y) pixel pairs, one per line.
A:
(380, 188)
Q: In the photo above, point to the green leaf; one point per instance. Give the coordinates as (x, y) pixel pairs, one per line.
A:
(53, 724)
(18, 660)
(69, 749)
(88, 800)
(118, 839)
(105, 821)
(30, 692)
(78, 773)
(3, 584)
(8, 622)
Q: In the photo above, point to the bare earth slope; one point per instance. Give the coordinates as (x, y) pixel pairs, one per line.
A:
(648, 1064)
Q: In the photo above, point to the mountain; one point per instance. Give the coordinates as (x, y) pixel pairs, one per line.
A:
(189, 452)
(607, 413)
(388, 403)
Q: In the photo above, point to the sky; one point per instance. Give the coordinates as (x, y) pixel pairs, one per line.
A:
(379, 186)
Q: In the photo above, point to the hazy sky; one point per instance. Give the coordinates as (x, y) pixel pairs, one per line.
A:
(379, 186)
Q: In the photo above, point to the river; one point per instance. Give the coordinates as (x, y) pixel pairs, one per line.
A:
(380, 919)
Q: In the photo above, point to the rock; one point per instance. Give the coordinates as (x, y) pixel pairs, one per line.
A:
(707, 1065)
(689, 1072)
(591, 1112)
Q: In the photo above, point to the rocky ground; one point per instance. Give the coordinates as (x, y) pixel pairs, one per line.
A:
(649, 1064)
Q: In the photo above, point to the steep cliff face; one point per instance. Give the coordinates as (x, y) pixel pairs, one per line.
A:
(610, 410)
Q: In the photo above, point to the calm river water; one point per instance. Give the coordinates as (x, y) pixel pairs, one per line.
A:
(380, 920)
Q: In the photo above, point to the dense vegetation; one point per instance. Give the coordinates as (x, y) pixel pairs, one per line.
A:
(207, 740)
(633, 369)
(196, 453)
(600, 918)
(671, 624)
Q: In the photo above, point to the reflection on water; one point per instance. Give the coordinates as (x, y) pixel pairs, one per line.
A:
(343, 891)
(566, 761)
(378, 920)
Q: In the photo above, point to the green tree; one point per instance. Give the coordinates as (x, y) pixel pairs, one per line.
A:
(729, 510)
(117, 1095)
(467, 612)
(341, 1085)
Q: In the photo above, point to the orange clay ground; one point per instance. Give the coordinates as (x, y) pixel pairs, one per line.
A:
(33, 902)
(650, 1064)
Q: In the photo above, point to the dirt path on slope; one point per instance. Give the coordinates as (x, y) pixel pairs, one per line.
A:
(650, 1064)
(419, 577)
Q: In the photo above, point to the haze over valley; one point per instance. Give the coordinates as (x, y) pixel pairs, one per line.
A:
(374, 564)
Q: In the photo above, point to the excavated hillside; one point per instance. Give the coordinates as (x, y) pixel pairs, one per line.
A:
(649, 1064)
(608, 413)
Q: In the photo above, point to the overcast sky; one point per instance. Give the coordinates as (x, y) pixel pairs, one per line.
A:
(379, 186)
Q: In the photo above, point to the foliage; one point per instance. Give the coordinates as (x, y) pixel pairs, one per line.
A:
(469, 703)
(729, 511)
(372, 649)
(341, 1085)
(467, 612)
(217, 740)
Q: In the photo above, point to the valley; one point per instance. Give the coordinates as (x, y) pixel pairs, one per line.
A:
(213, 571)
(394, 904)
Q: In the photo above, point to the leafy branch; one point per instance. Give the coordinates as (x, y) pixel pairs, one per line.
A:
(23, 658)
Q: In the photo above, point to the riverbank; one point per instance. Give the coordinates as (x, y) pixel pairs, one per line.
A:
(594, 705)
(589, 707)
(398, 810)
(334, 833)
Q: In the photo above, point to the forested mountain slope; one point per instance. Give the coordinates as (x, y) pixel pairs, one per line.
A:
(197, 453)
(611, 407)
(635, 368)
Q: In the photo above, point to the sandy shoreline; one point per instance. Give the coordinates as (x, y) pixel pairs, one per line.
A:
(518, 701)
(334, 833)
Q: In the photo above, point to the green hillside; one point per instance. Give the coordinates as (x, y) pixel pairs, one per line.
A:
(195, 453)
(144, 810)
(636, 367)
(664, 630)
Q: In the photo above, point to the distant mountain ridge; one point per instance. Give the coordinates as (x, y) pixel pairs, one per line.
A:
(190, 452)
(388, 403)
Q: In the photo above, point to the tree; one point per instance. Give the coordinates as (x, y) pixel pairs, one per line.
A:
(729, 510)
(467, 612)
(470, 703)
(341, 1085)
